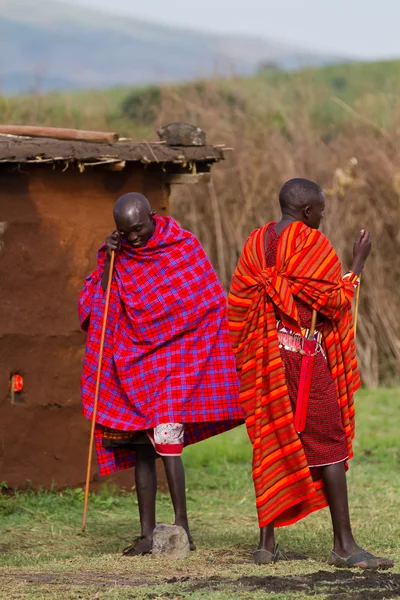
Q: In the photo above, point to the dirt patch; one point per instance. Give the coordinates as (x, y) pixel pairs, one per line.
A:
(338, 585)
(79, 579)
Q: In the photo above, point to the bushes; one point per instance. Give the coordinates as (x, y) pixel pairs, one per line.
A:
(142, 105)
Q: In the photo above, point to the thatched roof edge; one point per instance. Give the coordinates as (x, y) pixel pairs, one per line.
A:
(14, 149)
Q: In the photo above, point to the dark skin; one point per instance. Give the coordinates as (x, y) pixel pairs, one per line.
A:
(146, 488)
(311, 213)
(134, 221)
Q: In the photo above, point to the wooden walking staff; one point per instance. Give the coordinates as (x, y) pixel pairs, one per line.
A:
(96, 396)
(356, 308)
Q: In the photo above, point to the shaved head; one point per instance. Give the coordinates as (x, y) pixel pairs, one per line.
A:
(297, 193)
(303, 200)
(128, 204)
(133, 217)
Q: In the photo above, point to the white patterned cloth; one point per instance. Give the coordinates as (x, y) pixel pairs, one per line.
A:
(167, 439)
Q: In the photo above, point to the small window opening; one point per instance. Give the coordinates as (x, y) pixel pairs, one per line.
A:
(16, 386)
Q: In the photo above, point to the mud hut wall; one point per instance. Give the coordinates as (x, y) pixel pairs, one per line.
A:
(51, 224)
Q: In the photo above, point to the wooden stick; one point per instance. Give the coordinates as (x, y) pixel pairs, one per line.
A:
(313, 325)
(356, 309)
(76, 135)
(12, 390)
(96, 396)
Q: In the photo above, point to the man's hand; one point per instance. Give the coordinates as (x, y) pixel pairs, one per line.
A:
(361, 250)
(113, 243)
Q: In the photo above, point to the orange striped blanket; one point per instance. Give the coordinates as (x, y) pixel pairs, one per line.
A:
(308, 268)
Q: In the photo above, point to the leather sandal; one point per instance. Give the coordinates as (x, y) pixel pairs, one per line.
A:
(355, 561)
(139, 547)
(264, 557)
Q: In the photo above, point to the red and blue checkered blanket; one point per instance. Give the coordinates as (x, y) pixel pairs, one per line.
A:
(167, 353)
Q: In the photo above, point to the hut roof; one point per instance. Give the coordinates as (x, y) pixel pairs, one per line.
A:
(32, 149)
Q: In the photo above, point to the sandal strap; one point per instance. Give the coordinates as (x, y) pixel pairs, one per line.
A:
(271, 556)
(362, 556)
(278, 554)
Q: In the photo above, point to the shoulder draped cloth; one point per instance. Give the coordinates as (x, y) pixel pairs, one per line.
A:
(307, 268)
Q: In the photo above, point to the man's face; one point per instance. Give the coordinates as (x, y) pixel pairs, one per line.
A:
(136, 227)
(314, 213)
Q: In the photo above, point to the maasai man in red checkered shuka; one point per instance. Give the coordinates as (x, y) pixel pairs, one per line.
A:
(286, 270)
(168, 375)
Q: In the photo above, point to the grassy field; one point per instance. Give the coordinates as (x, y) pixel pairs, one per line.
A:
(43, 555)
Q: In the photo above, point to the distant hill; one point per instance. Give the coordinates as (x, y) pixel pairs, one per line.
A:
(51, 45)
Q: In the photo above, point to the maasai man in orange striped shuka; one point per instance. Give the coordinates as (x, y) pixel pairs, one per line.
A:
(286, 270)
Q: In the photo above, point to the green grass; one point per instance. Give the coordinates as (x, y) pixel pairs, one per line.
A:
(43, 554)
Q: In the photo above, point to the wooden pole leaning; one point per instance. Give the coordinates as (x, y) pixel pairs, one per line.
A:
(96, 396)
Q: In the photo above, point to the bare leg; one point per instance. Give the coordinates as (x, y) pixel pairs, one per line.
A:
(267, 538)
(146, 489)
(334, 477)
(344, 544)
(176, 482)
(268, 552)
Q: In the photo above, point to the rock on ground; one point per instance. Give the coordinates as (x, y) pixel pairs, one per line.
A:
(170, 541)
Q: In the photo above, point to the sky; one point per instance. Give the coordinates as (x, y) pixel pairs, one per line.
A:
(360, 28)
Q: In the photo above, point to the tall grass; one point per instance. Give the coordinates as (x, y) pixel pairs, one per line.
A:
(356, 163)
(358, 166)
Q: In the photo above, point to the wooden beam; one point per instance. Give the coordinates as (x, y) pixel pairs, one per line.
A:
(60, 134)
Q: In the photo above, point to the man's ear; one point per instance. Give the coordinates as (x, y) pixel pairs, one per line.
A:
(307, 210)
